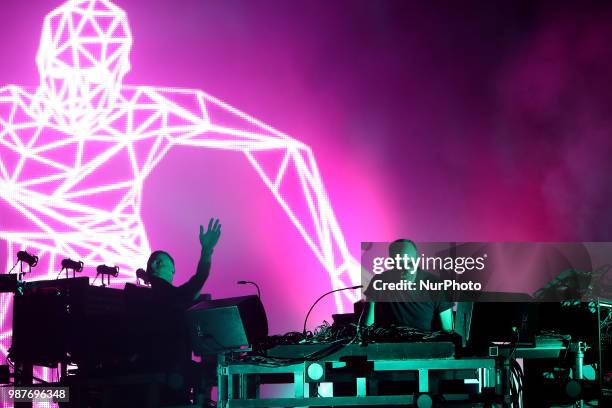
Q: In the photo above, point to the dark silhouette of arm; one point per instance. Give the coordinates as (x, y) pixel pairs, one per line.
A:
(183, 295)
(191, 289)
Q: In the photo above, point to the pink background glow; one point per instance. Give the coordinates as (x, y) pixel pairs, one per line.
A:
(428, 121)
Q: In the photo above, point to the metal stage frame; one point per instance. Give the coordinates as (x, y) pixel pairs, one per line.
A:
(239, 382)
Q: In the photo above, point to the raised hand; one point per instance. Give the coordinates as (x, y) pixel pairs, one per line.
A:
(209, 239)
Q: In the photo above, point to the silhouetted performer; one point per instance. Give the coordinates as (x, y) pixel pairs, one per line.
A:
(166, 346)
(160, 270)
(416, 309)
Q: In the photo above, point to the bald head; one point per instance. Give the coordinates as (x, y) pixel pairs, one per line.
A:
(161, 265)
(403, 247)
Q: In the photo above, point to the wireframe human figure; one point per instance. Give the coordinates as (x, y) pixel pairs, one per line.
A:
(76, 150)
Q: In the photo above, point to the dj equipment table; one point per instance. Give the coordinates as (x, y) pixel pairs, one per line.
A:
(363, 369)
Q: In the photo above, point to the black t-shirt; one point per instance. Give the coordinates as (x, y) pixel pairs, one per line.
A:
(183, 296)
(169, 343)
(169, 296)
(408, 308)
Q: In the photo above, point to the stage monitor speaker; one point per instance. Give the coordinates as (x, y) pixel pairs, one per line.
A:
(515, 322)
(8, 283)
(227, 324)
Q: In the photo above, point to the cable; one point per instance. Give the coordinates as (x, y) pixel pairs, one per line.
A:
(335, 337)
(13, 267)
(358, 328)
(518, 374)
(321, 297)
(515, 343)
(243, 282)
